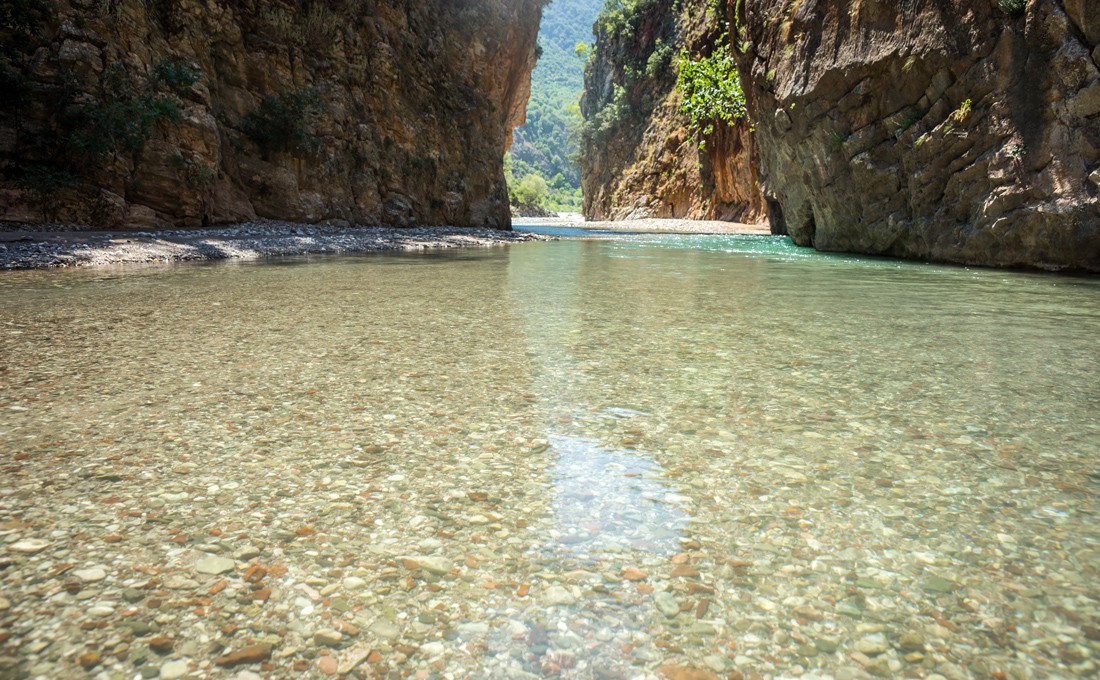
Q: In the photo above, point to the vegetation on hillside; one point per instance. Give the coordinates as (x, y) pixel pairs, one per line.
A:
(546, 145)
(639, 66)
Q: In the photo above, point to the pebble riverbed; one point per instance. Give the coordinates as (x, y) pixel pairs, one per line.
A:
(659, 457)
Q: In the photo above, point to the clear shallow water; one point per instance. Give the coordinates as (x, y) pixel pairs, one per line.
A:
(720, 451)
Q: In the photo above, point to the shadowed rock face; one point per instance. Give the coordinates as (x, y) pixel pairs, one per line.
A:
(415, 104)
(647, 163)
(931, 129)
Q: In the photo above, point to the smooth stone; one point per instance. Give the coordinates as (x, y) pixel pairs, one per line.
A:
(880, 667)
(214, 565)
(558, 595)
(132, 595)
(29, 546)
(384, 629)
(5, 604)
(911, 642)
(826, 646)
(871, 646)
(101, 611)
(91, 574)
(354, 583)
(438, 566)
(432, 649)
(174, 669)
(178, 582)
(246, 552)
(667, 603)
(938, 584)
(473, 629)
(327, 637)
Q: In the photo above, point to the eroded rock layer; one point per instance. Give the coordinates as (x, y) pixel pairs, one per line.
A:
(640, 159)
(190, 112)
(947, 130)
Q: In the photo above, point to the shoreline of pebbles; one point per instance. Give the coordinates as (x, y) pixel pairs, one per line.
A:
(58, 246)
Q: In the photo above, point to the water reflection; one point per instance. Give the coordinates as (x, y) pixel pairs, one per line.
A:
(609, 501)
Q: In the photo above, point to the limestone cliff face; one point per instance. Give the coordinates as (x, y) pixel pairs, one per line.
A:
(639, 158)
(156, 113)
(951, 130)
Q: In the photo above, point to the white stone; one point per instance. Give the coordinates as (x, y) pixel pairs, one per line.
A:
(29, 546)
(558, 595)
(173, 670)
(91, 574)
(214, 565)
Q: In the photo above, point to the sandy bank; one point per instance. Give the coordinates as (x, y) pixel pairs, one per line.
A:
(648, 225)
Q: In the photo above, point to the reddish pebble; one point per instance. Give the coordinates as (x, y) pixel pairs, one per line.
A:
(161, 644)
(686, 673)
(685, 571)
(252, 654)
(633, 574)
(327, 665)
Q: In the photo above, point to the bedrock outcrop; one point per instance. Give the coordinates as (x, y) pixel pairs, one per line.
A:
(640, 157)
(947, 130)
(149, 113)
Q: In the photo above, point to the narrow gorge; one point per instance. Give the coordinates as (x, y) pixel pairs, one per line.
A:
(127, 113)
(640, 157)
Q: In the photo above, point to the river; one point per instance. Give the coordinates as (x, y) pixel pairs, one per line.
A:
(590, 458)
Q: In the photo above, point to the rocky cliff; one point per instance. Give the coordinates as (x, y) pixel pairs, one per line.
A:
(190, 112)
(950, 130)
(640, 156)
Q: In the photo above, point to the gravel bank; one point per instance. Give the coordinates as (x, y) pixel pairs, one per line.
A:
(37, 247)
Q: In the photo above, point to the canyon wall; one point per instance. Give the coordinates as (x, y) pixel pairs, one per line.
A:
(158, 113)
(962, 131)
(640, 156)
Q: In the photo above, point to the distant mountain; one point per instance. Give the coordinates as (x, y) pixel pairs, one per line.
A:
(543, 145)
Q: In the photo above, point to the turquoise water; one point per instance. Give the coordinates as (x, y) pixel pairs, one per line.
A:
(613, 454)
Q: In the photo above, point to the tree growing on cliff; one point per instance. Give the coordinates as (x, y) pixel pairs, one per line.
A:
(711, 89)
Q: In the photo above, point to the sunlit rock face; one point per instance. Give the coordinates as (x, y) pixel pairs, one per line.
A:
(953, 131)
(377, 111)
(641, 158)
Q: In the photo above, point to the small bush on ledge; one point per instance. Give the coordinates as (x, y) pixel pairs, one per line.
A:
(283, 122)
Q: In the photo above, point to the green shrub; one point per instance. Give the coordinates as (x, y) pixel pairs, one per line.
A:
(283, 122)
(711, 89)
(20, 21)
(1012, 8)
(40, 185)
(125, 114)
(531, 191)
